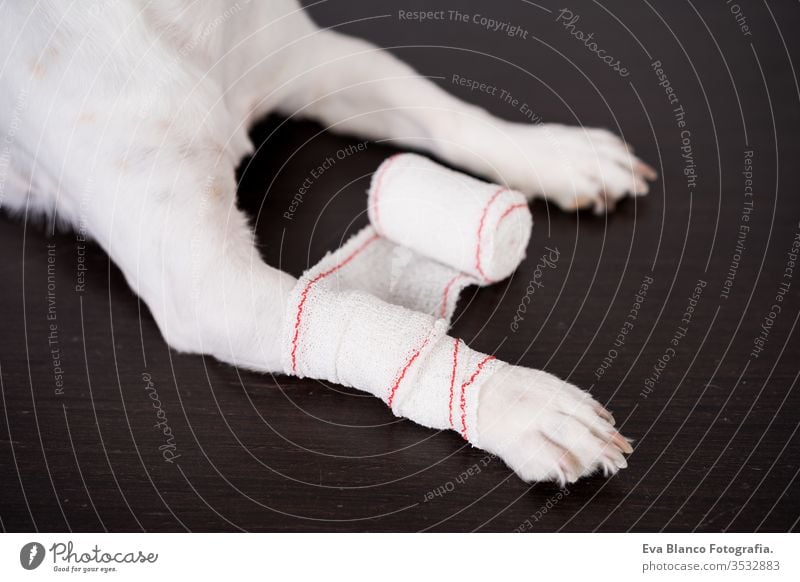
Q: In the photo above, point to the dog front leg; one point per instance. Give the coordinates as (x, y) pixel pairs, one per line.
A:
(353, 86)
(172, 227)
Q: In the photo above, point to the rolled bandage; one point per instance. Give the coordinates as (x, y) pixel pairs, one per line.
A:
(374, 314)
(477, 228)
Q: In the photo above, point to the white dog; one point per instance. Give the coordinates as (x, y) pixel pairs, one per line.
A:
(126, 119)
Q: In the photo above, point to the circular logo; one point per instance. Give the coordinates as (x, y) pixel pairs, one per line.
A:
(31, 555)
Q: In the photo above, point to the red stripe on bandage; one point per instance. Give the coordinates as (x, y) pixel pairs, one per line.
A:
(378, 182)
(480, 234)
(304, 295)
(464, 392)
(414, 356)
(453, 381)
(510, 210)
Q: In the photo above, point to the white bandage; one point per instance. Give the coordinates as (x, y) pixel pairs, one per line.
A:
(474, 227)
(374, 314)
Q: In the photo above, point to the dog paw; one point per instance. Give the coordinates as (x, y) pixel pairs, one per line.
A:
(546, 429)
(574, 167)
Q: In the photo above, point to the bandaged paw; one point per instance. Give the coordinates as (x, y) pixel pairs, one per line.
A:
(403, 357)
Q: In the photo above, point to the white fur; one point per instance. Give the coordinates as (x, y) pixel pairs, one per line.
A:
(127, 119)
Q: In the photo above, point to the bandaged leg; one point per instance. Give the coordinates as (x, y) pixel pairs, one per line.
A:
(401, 356)
(543, 427)
(374, 314)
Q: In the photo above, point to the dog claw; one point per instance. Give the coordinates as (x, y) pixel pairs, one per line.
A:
(622, 443)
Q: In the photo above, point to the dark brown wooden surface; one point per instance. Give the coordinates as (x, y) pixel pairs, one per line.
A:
(717, 444)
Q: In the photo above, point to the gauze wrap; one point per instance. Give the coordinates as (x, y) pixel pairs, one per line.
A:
(374, 314)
